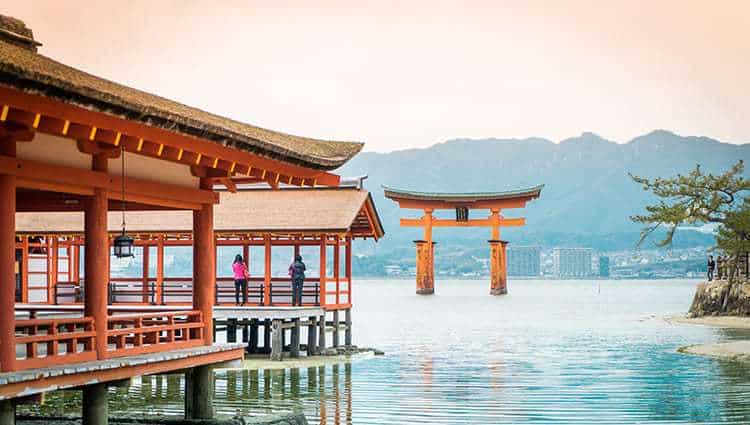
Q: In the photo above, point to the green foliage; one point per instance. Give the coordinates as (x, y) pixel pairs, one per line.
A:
(734, 234)
(692, 199)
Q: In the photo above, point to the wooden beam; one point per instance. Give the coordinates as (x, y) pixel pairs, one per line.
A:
(441, 222)
(98, 148)
(75, 180)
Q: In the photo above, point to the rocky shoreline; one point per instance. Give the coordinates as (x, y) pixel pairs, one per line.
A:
(719, 304)
(721, 298)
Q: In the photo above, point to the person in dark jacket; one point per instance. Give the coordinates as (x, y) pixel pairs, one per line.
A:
(297, 272)
(711, 267)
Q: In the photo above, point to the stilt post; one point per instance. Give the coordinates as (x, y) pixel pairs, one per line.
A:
(199, 393)
(348, 331)
(277, 345)
(311, 336)
(294, 349)
(321, 334)
(94, 405)
(335, 328)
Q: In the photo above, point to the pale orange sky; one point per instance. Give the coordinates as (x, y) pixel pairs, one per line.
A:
(410, 74)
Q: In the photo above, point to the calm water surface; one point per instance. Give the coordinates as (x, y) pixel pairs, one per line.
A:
(572, 352)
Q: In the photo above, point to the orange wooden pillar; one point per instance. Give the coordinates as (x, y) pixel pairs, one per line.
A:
(96, 264)
(498, 269)
(159, 270)
(336, 267)
(7, 261)
(267, 270)
(204, 263)
(146, 278)
(425, 274)
(348, 268)
(323, 272)
(246, 257)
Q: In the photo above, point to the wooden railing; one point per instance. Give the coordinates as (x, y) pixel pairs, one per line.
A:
(179, 291)
(225, 291)
(68, 293)
(50, 342)
(148, 333)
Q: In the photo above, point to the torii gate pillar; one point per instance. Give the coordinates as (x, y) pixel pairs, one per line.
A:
(498, 267)
(425, 267)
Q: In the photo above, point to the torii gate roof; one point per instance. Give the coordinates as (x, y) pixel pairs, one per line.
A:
(467, 199)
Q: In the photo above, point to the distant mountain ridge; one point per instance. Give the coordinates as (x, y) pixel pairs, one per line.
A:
(588, 195)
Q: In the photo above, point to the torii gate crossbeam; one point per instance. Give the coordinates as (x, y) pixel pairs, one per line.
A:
(495, 202)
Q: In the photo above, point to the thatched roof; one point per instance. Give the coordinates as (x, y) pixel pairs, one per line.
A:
(24, 69)
(256, 211)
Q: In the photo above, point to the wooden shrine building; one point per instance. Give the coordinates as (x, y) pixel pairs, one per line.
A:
(74, 142)
(319, 221)
(462, 203)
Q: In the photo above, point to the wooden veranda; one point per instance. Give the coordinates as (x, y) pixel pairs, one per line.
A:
(74, 142)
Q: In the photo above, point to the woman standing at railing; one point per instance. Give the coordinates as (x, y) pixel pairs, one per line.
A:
(297, 273)
(241, 275)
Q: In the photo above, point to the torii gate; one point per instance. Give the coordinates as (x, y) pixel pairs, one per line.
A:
(495, 202)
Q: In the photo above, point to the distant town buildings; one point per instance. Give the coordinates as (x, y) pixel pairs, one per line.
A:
(572, 262)
(524, 260)
(603, 266)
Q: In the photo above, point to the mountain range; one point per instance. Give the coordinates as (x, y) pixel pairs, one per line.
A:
(588, 195)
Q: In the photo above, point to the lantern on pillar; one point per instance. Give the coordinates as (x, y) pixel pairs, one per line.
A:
(123, 244)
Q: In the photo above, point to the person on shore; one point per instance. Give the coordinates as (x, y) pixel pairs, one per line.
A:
(241, 274)
(720, 267)
(297, 272)
(711, 266)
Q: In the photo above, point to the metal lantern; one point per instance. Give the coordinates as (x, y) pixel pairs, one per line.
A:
(123, 245)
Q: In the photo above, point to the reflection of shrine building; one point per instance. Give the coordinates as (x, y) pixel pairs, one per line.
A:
(323, 392)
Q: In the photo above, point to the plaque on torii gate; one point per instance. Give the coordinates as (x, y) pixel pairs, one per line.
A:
(462, 203)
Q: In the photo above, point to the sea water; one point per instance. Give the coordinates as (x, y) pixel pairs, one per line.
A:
(558, 352)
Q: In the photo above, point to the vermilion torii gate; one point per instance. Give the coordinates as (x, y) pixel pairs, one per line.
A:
(495, 202)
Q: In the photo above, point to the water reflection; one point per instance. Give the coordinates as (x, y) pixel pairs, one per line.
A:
(553, 352)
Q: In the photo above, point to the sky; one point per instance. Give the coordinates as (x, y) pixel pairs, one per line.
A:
(401, 74)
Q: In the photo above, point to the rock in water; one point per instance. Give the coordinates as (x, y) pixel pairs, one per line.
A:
(720, 298)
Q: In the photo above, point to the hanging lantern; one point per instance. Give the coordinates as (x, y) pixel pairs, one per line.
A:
(123, 244)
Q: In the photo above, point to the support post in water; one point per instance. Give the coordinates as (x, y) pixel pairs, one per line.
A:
(425, 273)
(335, 328)
(277, 345)
(321, 334)
(294, 349)
(498, 269)
(311, 336)
(94, 409)
(199, 393)
(348, 331)
(7, 412)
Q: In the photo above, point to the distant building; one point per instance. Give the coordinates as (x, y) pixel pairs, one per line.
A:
(572, 262)
(603, 266)
(524, 260)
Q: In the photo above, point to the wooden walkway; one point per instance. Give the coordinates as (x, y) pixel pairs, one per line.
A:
(34, 381)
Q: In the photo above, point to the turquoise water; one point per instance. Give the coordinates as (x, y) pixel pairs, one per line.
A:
(562, 352)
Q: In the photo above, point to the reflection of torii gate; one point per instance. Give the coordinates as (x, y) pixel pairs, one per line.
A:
(462, 203)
